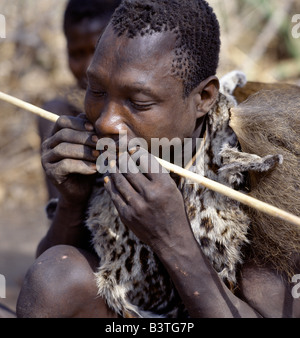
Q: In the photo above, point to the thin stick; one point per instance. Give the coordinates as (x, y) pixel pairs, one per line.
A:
(210, 184)
(236, 195)
(30, 107)
(188, 166)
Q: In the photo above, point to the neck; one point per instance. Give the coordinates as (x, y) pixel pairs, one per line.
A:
(200, 127)
(197, 134)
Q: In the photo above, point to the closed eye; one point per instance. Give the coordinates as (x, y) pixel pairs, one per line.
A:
(96, 93)
(142, 106)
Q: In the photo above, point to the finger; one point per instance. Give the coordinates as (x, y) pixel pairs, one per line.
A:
(60, 171)
(71, 151)
(115, 196)
(121, 184)
(71, 136)
(82, 116)
(147, 164)
(132, 173)
(72, 122)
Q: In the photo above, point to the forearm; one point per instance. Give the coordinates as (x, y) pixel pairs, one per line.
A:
(67, 228)
(199, 286)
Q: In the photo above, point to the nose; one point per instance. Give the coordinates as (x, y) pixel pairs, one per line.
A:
(111, 121)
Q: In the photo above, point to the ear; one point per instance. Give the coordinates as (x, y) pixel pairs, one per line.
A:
(205, 95)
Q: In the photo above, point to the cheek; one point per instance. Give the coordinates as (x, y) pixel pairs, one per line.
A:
(181, 121)
(159, 126)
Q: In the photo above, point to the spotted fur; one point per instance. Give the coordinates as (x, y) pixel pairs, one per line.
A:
(130, 276)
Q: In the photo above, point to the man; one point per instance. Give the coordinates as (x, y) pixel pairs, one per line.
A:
(83, 24)
(152, 76)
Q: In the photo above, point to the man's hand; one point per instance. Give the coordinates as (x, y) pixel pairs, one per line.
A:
(150, 204)
(69, 157)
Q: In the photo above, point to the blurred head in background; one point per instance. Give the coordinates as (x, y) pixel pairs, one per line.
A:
(84, 22)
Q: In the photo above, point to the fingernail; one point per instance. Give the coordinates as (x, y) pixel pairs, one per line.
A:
(96, 153)
(132, 150)
(93, 166)
(88, 126)
(95, 138)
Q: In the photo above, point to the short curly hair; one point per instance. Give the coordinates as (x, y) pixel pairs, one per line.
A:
(79, 10)
(197, 30)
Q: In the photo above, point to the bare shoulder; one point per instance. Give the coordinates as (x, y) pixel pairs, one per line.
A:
(269, 293)
(56, 106)
(60, 107)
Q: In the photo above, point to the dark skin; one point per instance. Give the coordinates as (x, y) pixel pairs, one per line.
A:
(81, 40)
(81, 43)
(131, 88)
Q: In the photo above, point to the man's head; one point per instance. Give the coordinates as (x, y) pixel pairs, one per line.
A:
(194, 24)
(84, 22)
(152, 74)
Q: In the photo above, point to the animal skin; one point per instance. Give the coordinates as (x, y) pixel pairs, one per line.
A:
(268, 122)
(130, 276)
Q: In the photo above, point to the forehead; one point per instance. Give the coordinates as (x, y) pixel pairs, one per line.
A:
(84, 29)
(148, 54)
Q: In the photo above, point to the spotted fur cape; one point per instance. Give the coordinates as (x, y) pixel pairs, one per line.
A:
(130, 276)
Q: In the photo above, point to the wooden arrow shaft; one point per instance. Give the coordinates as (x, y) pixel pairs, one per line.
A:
(207, 183)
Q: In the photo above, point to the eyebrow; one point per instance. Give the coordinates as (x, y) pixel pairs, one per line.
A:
(141, 87)
(138, 86)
